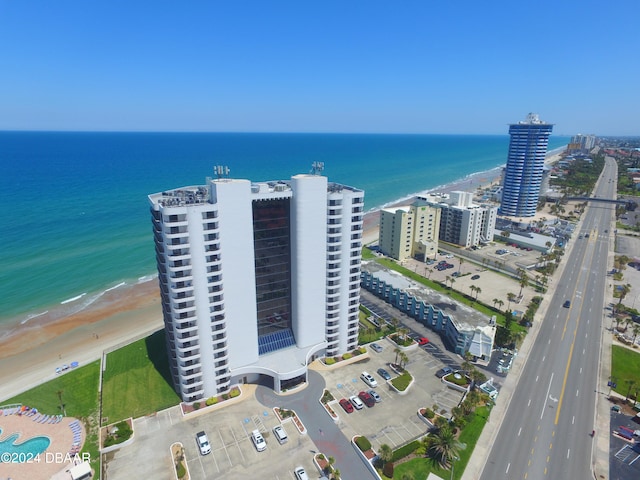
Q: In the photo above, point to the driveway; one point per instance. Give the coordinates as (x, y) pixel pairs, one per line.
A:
(325, 434)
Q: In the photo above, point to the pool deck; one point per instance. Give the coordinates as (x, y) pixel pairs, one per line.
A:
(56, 457)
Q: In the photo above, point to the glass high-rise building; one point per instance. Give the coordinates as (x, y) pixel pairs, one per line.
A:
(525, 165)
(256, 279)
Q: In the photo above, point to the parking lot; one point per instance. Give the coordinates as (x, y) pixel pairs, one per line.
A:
(232, 451)
(393, 421)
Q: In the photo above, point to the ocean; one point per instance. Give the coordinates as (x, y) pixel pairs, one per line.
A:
(76, 218)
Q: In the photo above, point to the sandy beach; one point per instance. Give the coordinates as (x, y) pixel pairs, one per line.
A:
(30, 354)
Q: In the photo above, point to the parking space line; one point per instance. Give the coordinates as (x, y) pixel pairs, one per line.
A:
(225, 451)
(237, 443)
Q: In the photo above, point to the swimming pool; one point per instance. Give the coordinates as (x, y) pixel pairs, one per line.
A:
(26, 449)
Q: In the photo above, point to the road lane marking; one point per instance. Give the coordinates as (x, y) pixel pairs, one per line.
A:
(544, 358)
(520, 431)
(547, 396)
(529, 404)
(508, 465)
(564, 383)
(573, 420)
(537, 376)
(577, 392)
(568, 453)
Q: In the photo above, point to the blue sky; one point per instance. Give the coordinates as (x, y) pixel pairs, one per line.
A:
(330, 66)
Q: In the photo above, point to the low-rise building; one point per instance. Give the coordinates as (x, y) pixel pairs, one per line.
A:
(461, 327)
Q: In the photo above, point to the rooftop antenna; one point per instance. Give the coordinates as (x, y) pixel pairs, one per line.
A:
(221, 171)
(317, 168)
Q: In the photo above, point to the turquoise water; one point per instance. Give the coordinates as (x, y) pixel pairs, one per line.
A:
(33, 446)
(75, 218)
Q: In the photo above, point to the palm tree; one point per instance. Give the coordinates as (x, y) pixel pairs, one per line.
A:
(395, 322)
(447, 279)
(478, 292)
(385, 453)
(62, 410)
(636, 332)
(452, 280)
(511, 297)
(495, 302)
(623, 289)
(397, 351)
(443, 446)
(631, 384)
(460, 265)
(523, 278)
(336, 474)
(404, 358)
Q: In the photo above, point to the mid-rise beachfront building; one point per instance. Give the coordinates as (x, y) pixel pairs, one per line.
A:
(462, 222)
(256, 279)
(409, 231)
(522, 175)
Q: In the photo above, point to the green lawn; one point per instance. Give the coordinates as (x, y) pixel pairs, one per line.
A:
(79, 391)
(78, 388)
(625, 365)
(420, 467)
(136, 381)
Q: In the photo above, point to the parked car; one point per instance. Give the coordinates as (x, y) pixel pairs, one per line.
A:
(375, 347)
(280, 434)
(375, 396)
(444, 371)
(423, 341)
(367, 399)
(475, 277)
(384, 374)
(203, 443)
(258, 441)
(301, 474)
(368, 379)
(356, 402)
(346, 404)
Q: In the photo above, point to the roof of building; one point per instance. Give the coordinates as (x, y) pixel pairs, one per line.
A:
(465, 318)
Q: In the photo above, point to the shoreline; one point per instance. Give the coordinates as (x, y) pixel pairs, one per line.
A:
(31, 350)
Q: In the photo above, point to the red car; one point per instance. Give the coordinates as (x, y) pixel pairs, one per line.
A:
(423, 341)
(346, 404)
(367, 399)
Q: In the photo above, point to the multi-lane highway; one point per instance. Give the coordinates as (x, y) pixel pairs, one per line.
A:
(546, 431)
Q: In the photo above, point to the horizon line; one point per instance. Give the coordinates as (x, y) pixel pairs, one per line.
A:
(238, 132)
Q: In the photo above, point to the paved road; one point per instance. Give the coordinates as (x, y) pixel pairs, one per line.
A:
(546, 429)
(325, 434)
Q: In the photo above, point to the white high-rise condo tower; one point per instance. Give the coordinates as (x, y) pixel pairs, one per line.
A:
(256, 279)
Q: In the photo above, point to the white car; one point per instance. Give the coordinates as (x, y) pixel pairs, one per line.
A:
(368, 379)
(301, 474)
(258, 441)
(280, 434)
(203, 443)
(356, 402)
